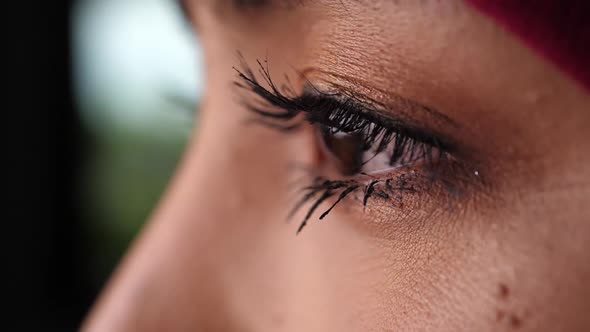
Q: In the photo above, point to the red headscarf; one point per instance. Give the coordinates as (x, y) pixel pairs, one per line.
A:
(558, 29)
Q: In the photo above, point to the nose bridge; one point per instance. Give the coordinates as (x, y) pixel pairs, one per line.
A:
(172, 273)
(212, 223)
(226, 214)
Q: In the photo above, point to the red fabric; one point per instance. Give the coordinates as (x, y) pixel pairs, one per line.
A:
(558, 29)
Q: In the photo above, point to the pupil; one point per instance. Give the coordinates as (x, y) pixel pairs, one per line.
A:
(346, 149)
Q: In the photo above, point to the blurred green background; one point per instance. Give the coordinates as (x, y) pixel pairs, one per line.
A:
(138, 80)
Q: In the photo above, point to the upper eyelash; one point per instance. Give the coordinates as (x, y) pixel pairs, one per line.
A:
(350, 117)
(339, 113)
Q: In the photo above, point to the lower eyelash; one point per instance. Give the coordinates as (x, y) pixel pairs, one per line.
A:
(323, 189)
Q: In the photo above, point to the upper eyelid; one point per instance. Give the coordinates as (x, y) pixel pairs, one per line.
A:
(380, 110)
(403, 106)
(293, 105)
(383, 118)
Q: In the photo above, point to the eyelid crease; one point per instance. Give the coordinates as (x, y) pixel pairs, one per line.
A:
(390, 120)
(407, 107)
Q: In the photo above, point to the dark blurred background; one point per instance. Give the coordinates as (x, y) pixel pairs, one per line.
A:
(105, 104)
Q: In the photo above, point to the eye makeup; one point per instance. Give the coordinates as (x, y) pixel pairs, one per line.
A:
(369, 153)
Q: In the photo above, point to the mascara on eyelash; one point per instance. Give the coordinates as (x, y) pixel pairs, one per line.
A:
(280, 109)
(324, 189)
(336, 112)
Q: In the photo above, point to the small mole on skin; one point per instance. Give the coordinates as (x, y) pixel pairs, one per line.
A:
(515, 321)
(503, 291)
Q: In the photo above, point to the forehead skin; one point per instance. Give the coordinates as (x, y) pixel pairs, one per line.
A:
(217, 256)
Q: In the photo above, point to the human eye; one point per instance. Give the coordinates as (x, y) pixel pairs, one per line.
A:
(366, 152)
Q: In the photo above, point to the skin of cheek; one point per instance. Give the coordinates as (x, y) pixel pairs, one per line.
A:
(522, 267)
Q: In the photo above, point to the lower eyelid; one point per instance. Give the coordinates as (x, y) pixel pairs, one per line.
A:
(424, 183)
(393, 186)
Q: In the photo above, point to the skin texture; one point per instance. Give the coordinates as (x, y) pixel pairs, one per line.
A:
(509, 251)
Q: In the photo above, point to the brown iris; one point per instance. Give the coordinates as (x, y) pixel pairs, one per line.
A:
(346, 150)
